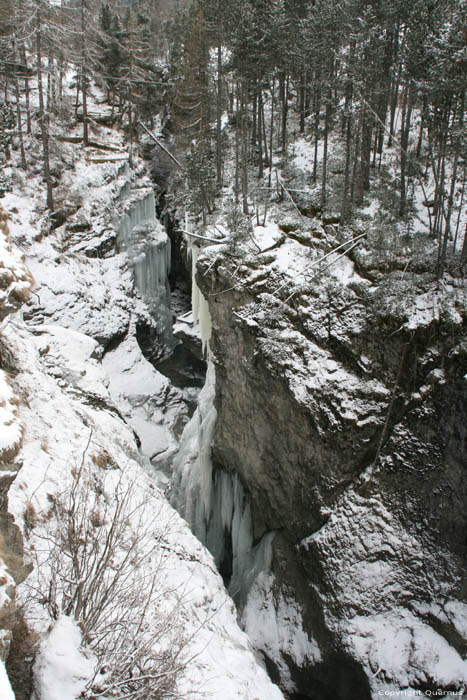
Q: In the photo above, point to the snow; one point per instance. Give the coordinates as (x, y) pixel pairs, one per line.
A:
(274, 624)
(15, 279)
(61, 430)
(6, 693)
(403, 648)
(144, 397)
(436, 304)
(303, 154)
(10, 433)
(267, 236)
(62, 670)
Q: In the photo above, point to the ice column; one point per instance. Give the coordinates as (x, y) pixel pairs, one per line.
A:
(192, 466)
(199, 305)
(148, 248)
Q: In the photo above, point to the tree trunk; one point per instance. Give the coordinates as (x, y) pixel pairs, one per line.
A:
(265, 136)
(317, 109)
(284, 117)
(18, 112)
(271, 131)
(244, 148)
(219, 114)
(346, 205)
(447, 227)
(84, 77)
(365, 151)
(327, 120)
(237, 149)
(393, 106)
(260, 133)
(43, 119)
(302, 100)
(24, 61)
(404, 144)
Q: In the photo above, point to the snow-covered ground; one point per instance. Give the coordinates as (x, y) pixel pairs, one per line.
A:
(63, 429)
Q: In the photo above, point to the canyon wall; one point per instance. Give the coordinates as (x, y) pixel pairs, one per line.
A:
(341, 407)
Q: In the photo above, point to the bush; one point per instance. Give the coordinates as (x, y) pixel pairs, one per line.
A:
(103, 564)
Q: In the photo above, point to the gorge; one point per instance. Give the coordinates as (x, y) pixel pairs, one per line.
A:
(233, 352)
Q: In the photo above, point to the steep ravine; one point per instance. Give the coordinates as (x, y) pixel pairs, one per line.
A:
(343, 416)
(76, 390)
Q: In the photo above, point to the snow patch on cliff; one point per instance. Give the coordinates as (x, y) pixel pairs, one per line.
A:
(6, 692)
(145, 398)
(10, 435)
(62, 670)
(401, 648)
(274, 624)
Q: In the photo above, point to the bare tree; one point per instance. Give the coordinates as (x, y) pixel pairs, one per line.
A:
(107, 568)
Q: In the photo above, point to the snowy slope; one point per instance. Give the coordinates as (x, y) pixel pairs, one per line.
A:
(64, 425)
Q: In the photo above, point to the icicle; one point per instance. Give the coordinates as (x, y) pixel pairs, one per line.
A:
(192, 466)
(199, 304)
(148, 248)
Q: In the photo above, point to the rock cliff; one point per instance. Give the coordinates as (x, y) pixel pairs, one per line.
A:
(341, 398)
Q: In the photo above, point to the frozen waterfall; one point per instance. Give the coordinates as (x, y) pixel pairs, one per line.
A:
(199, 305)
(215, 503)
(148, 249)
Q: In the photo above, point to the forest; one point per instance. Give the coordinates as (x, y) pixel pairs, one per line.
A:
(357, 79)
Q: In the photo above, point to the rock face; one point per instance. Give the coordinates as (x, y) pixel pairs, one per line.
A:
(341, 405)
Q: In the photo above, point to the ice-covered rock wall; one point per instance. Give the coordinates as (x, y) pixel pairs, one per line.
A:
(215, 503)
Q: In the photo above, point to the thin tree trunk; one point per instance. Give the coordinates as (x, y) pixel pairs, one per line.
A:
(346, 208)
(18, 112)
(244, 149)
(447, 227)
(302, 100)
(394, 96)
(237, 149)
(26, 90)
(265, 136)
(219, 114)
(422, 126)
(461, 204)
(255, 121)
(365, 150)
(260, 133)
(317, 110)
(271, 131)
(325, 150)
(43, 119)
(355, 163)
(284, 117)
(84, 77)
(404, 143)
